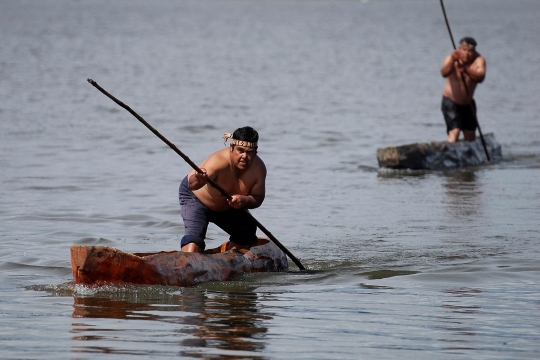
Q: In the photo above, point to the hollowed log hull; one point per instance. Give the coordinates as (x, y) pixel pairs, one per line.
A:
(103, 264)
(439, 155)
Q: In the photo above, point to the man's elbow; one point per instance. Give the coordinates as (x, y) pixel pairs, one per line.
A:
(258, 201)
(478, 78)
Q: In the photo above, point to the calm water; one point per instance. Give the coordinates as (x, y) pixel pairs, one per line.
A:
(423, 265)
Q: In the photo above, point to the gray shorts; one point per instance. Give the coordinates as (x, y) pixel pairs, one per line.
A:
(237, 223)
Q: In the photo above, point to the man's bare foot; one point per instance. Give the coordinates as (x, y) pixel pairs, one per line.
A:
(234, 246)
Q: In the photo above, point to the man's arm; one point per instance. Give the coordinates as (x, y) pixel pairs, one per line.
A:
(448, 64)
(209, 167)
(250, 201)
(197, 180)
(256, 194)
(477, 71)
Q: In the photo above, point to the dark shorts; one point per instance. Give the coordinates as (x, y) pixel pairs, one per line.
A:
(458, 116)
(237, 223)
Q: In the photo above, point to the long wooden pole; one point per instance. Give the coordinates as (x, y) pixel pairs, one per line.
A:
(473, 110)
(196, 168)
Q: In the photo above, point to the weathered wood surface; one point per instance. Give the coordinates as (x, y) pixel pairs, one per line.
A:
(439, 155)
(103, 264)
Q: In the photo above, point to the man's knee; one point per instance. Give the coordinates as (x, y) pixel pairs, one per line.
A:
(188, 239)
(453, 135)
(469, 135)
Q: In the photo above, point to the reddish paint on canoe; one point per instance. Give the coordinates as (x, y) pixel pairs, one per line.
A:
(103, 264)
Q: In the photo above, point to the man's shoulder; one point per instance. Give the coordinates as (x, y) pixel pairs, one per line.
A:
(259, 165)
(220, 154)
(217, 158)
(479, 58)
(259, 162)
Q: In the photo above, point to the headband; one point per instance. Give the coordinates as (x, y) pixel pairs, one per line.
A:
(234, 141)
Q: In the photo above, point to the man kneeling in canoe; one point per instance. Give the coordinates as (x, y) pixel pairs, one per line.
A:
(242, 174)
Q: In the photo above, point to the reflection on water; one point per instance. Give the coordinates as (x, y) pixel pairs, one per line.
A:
(384, 173)
(459, 317)
(229, 321)
(326, 83)
(462, 193)
(383, 274)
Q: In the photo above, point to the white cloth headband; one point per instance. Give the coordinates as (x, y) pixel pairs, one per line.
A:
(234, 141)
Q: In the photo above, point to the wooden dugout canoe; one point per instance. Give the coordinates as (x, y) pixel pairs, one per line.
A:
(439, 155)
(103, 264)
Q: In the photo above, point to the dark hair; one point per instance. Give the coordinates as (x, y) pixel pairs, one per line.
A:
(469, 40)
(246, 133)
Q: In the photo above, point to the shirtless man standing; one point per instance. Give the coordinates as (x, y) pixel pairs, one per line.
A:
(457, 96)
(241, 173)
